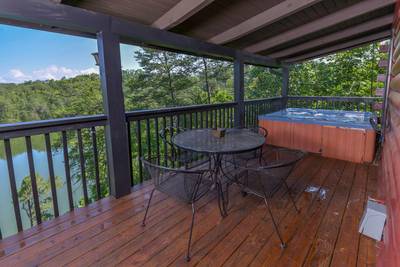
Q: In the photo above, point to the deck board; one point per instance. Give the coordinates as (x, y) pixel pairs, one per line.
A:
(109, 232)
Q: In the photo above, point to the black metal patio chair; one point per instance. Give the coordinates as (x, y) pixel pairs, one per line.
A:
(186, 185)
(243, 158)
(264, 180)
(175, 154)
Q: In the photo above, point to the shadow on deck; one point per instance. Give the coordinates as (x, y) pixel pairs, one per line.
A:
(109, 232)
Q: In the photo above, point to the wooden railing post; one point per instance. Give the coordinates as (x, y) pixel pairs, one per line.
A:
(239, 92)
(113, 101)
(285, 86)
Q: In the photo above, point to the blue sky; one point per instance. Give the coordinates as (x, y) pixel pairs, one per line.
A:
(27, 54)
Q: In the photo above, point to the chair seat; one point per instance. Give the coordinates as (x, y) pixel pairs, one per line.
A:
(260, 182)
(179, 186)
(247, 155)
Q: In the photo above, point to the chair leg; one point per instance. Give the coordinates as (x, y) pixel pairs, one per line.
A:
(227, 195)
(147, 208)
(291, 198)
(190, 234)
(283, 245)
(221, 200)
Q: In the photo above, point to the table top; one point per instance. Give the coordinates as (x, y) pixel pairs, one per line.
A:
(203, 140)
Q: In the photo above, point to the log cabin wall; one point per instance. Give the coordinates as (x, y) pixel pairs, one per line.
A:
(389, 251)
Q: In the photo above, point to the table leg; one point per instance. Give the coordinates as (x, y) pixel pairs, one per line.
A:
(222, 201)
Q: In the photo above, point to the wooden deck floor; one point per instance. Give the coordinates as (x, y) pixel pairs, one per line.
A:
(109, 232)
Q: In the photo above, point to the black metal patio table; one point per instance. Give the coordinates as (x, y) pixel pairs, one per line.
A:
(203, 141)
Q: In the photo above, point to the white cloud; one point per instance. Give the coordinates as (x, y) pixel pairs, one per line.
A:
(18, 74)
(89, 71)
(52, 72)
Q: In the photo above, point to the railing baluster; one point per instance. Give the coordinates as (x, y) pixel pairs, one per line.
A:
(148, 140)
(211, 118)
(130, 151)
(67, 170)
(83, 167)
(171, 133)
(201, 119)
(220, 118)
(191, 120)
(254, 115)
(232, 116)
(250, 116)
(196, 121)
(13, 185)
(178, 120)
(215, 119)
(185, 121)
(157, 139)
(51, 174)
(96, 160)
(139, 149)
(206, 118)
(33, 180)
(223, 117)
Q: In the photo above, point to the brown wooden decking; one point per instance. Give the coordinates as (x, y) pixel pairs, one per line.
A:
(109, 232)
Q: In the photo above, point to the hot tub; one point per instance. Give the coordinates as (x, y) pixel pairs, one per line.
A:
(346, 135)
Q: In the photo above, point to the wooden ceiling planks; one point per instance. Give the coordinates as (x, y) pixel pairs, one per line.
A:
(179, 13)
(275, 13)
(315, 25)
(295, 20)
(222, 15)
(144, 11)
(218, 16)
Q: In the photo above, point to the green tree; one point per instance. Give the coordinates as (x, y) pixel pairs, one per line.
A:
(26, 200)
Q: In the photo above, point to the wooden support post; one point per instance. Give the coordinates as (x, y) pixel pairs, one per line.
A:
(239, 92)
(285, 86)
(113, 101)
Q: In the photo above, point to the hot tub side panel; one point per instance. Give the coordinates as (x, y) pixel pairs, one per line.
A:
(351, 144)
(302, 136)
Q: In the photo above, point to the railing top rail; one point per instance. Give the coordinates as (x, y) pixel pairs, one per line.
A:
(338, 98)
(12, 130)
(151, 113)
(259, 100)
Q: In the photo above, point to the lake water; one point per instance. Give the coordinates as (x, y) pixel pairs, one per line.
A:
(7, 217)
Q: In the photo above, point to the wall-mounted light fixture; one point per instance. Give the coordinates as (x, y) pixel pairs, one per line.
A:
(96, 58)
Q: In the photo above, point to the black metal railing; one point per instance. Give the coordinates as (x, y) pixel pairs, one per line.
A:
(254, 108)
(144, 127)
(338, 103)
(76, 142)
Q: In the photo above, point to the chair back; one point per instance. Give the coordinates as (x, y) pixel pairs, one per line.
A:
(375, 123)
(187, 185)
(260, 130)
(168, 133)
(266, 179)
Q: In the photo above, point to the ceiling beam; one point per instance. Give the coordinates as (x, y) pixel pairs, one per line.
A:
(179, 13)
(342, 15)
(356, 30)
(342, 46)
(269, 16)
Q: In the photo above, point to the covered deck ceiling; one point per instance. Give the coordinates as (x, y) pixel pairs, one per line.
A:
(286, 30)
